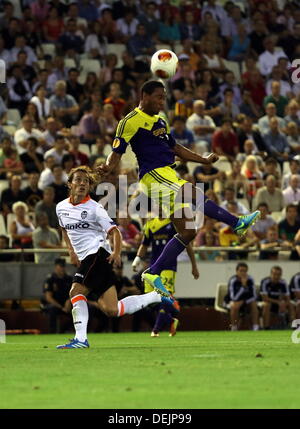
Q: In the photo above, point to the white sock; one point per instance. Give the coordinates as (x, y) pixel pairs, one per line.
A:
(255, 327)
(134, 303)
(234, 327)
(80, 315)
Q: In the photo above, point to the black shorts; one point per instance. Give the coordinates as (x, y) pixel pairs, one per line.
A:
(95, 272)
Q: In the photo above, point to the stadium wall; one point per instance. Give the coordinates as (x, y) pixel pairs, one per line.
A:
(25, 280)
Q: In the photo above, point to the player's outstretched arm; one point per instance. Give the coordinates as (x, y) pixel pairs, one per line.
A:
(188, 155)
(115, 257)
(191, 254)
(112, 162)
(73, 256)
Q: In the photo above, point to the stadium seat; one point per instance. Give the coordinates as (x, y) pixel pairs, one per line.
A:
(178, 48)
(49, 49)
(17, 8)
(2, 226)
(82, 77)
(90, 65)
(277, 216)
(223, 165)
(70, 63)
(118, 49)
(163, 46)
(13, 115)
(85, 149)
(234, 67)
(221, 291)
(41, 64)
(4, 184)
(286, 167)
(10, 129)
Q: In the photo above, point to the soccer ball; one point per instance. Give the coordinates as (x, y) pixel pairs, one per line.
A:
(164, 64)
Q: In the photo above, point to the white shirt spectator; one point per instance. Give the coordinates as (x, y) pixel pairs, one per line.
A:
(195, 121)
(268, 60)
(92, 42)
(46, 178)
(125, 28)
(43, 111)
(285, 87)
(241, 209)
(286, 180)
(262, 225)
(264, 123)
(13, 95)
(58, 156)
(5, 56)
(291, 196)
(31, 57)
(21, 134)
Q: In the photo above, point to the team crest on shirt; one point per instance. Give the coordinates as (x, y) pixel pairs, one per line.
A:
(116, 143)
(84, 214)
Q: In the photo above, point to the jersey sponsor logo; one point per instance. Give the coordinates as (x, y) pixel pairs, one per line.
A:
(78, 275)
(116, 143)
(79, 225)
(159, 132)
(64, 214)
(84, 214)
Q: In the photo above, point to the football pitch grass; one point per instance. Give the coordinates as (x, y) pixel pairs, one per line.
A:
(242, 369)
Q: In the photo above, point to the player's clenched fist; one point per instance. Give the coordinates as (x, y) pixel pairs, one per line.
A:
(103, 170)
(211, 158)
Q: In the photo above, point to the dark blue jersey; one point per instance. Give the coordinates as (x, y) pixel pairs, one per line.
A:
(273, 290)
(238, 292)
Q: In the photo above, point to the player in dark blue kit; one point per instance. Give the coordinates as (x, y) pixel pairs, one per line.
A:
(149, 136)
(295, 292)
(157, 233)
(276, 297)
(241, 290)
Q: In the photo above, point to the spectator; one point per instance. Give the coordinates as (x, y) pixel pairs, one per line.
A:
(20, 45)
(106, 72)
(189, 29)
(4, 245)
(184, 106)
(108, 122)
(9, 160)
(216, 11)
(257, 36)
(80, 157)
(291, 194)
(32, 193)
(228, 108)
(272, 241)
(59, 72)
(202, 126)
(21, 228)
(249, 150)
(264, 121)
(207, 174)
(269, 58)
(141, 44)
(56, 299)
(19, 91)
(53, 26)
(240, 45)
(115, 100)
(247, 131)
(276, 142)
(89, 126)
(41, 102)
(42, 80)
(254, 83)
(58, 150)
(229, 82)
(279, 100)
(294, 169)
(277, 76)
(294, 288)
(236, 180)
(40, 10)
(130, 234)
(289, 227)
(213, 61)
(11, 195)
(23, 134)
(270, 195)
(293, 137)
(44, 237)
(292, 113)
(63, 106)
(28, 72)
(31, 159)
(264, 223)
(48, 206)
(149, 20)
(242, 291)
(225, 142)
(181, 134)
(60, 188)
(10, 34)
(127, 26)
(98, 151)
(69, 41)
(74, 88)
(108, 25)
(51, 128)
(272, 168)
(229, 198)
(248, 107)
(276, 298)
(95, 44)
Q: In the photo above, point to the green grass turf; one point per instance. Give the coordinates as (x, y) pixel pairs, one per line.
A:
(133, 370)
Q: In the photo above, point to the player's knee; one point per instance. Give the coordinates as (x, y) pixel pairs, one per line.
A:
(76, 289)
(111, 311)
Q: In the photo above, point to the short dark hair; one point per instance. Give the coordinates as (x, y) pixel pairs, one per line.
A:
(271, 161)
(150, 86)
(291, 205)
(277, 268)
(55, 166)
(263, 205)
(227, 90)
(178, 118)
(60, 261)
(241, 264)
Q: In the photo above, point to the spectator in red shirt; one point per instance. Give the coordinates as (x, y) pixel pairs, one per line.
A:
(80, 157)
(225, 141)
(114, 99)
(131, 236)
(255, 84)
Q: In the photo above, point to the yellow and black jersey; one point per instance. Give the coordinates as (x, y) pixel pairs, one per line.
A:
(150, 139)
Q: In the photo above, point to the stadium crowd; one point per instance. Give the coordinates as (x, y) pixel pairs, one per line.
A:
(74, 70)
